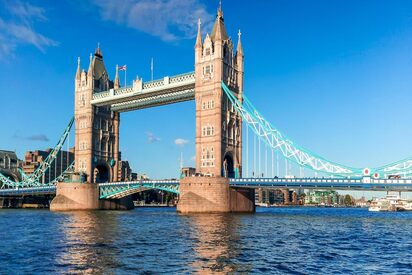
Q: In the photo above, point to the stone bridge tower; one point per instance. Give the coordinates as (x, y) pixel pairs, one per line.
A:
(97, 128)
(218, 126)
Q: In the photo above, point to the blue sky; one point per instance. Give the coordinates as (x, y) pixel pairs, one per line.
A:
(335, 76)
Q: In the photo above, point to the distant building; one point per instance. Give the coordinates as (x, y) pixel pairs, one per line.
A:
(276, 196)
(9, 164)
(9, 160)
(140, 176)
(125, 172)
(322, 197)
(33, 159)
(362, 202)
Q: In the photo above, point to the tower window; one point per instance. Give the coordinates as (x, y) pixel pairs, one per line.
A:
(207, 51)
(208, 157)
(208, 131)
(82, 100)
(210, 104)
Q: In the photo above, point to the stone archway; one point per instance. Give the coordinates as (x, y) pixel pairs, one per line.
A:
(101, 173)
(228, 166)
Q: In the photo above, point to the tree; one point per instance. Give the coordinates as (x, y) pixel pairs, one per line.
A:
(348, 200)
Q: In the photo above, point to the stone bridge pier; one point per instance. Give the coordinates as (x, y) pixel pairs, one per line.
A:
(78, 195)
(214, 195)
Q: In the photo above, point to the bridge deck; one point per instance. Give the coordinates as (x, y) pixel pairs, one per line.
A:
(121, 189)
(26, 191)
(366, 184)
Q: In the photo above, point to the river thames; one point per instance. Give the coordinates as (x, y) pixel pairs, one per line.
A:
(158, 240)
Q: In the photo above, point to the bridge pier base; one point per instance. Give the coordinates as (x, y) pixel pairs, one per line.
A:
(85, 196)
(75, 196)
(213, 195)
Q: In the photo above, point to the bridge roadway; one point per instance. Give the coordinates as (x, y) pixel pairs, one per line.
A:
(113, 190)
(142, 95)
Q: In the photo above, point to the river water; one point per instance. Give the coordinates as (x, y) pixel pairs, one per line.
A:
(158, 240)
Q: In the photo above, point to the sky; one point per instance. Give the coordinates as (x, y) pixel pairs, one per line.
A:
(334, 76)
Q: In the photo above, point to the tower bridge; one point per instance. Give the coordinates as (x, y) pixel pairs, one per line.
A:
(216, 86)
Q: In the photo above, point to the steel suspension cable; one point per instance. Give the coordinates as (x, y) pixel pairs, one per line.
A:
(273, 167)
(289, 149)
(247, 151)
(254, 155)
(260, 167)
(266, 160)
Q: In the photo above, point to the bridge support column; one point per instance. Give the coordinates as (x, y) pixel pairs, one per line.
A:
(75, 196)
(213, 195)
(85, 196)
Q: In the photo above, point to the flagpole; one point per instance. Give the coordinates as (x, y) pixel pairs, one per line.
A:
(151, 68)
(125, 70)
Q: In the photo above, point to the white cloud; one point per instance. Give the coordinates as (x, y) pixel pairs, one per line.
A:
(181, 141)
(18, 29)
(151, 138)
(168, 19)
(26, 12)
(27, 35)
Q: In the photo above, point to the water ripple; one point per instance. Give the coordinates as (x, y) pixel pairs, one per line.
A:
(158, 240)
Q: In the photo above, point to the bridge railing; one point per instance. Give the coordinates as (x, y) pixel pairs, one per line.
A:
(101, 95)
(124, 90)
(322, 180)
(182, 78)
(154, 84)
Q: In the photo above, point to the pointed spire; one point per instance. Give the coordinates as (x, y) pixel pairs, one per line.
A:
(98, 52)
(78, 68)
(219, 30)
(116, 79)
(239, 49)
(90, 71)
(219, 10)
(199, 35)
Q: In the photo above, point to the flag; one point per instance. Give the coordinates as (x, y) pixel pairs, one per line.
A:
(123, 68)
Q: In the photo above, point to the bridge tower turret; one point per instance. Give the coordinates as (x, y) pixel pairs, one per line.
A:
(218, 126)
(97, 128)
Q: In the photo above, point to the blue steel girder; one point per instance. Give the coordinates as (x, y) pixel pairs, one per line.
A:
(33, 179)
(402, 168)
(118, 190)
(21, 184)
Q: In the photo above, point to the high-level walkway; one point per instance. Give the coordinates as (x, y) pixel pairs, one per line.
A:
(142, 95)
